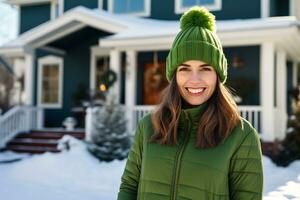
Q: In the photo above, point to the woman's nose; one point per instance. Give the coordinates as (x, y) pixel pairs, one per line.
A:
(195, 77)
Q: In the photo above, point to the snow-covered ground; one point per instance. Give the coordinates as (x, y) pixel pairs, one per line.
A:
(76, 175)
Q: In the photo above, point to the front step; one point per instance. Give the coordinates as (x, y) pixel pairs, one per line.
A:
(32, 149)
(40, 141)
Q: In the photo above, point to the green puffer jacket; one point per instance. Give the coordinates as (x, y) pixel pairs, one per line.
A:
(232, 170)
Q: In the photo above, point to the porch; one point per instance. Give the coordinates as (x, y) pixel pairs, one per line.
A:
(251, 113)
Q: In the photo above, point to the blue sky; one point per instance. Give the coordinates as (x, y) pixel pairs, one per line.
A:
(8, 22)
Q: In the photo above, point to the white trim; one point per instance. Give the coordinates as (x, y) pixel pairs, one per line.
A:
(295, 74)
(130, 79)
(266, 78)
(265, 8)
(53, 9)
(18, 19)
(57, 8)
(292, 8)
(145, 13)
(29, 77)
(281, 78)
(95, 52)
(215, 7)
(50, 60)
(100, 4)
(61, 7)
(115, 66)
(26, 2)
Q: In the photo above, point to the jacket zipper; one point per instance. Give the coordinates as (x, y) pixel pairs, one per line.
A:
(178, 159)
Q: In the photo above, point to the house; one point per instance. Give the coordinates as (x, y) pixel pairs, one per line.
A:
(65, 45)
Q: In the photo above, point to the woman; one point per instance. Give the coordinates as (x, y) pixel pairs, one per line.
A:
(195, 145)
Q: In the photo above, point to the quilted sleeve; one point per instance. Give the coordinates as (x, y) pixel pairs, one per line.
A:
(246, 170)
(131, 174)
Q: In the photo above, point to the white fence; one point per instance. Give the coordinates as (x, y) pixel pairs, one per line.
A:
(19, 119)
(251, 113)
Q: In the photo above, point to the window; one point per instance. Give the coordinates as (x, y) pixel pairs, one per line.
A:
(50, 81)
(183, 5)
(133, 7)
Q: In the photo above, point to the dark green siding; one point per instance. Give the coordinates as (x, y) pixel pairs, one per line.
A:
(231, 9)
(33, 15)
(105, 5)
(123, 78)
(279, 8)
(69, 4)
(245, 80)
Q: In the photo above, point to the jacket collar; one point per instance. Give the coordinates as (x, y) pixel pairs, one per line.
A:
(192, 114)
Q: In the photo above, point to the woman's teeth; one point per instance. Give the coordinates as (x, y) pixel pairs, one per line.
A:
(195, 91)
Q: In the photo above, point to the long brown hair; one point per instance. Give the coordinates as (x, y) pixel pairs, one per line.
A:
(215, 124)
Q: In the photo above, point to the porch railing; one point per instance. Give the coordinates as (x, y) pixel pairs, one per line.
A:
(19, 119)
(251, 113)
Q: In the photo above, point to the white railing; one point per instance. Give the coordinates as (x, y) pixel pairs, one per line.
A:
(19, 119)
(139, 112)
(251, 113)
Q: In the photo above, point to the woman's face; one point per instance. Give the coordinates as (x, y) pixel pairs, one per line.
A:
(196, 81)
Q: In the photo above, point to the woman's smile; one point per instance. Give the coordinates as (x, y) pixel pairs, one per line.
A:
(195, 91)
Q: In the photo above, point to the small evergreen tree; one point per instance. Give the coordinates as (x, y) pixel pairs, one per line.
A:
(109, 137)
(290, 146)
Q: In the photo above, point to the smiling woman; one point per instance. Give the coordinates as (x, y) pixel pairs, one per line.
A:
(195, 145)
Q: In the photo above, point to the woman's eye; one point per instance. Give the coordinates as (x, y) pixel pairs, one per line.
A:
(206, 69)
(183, 69)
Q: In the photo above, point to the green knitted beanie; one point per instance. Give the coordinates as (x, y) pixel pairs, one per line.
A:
(197, 40)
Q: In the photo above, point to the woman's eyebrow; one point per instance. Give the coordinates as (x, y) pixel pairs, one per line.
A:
(203, 65)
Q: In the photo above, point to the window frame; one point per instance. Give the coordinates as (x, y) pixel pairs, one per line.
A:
(57, 8)
(50, 60)
(179, 9)
(145, 13)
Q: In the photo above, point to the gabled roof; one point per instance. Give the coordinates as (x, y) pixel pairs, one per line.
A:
(71, 21)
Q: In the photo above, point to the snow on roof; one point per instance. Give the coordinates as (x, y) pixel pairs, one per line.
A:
(154, 28)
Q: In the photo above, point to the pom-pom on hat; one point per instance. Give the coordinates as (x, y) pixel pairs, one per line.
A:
(197, 40)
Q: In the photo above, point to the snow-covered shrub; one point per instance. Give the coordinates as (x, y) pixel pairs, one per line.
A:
(290, 146)
(109, 138)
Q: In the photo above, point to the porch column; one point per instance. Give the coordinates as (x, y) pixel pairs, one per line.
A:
(19, 71)
(115, 65)
(281, 77)
(29, 77)
(295, 74)
(130, 94)
(267, 91)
